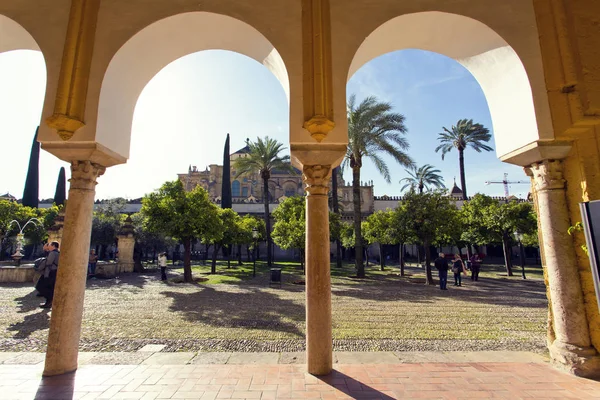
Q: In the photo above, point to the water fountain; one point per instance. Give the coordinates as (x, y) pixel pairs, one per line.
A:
(18, 255)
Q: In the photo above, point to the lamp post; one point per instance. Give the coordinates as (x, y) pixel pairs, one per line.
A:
(255, 237)
(519, 237)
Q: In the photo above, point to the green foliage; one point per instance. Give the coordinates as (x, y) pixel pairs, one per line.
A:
(60, 194)
(422, 178)
(431, 215)
(504, 219)
(462, 135)
(347, 235)
(231, 232)
(289, 231)
(378, 228)
(226, 201)
(32, 181)
(33, 233)
(373, 130)
(182, 215)
(149, 241)
(475, 229)
(401, 230)
(262, 158)
(428, 215)
(578, 227)
(248, 223)
(106, 223)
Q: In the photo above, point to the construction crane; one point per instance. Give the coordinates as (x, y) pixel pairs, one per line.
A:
(506, 182)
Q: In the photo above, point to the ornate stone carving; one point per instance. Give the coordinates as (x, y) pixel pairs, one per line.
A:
(84, 174)
(548, 175)
(69, 107)
(316, 178)
(317, 83)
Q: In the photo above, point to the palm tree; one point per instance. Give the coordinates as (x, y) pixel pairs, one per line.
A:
(263, 157)
(373, 129)
(462, 135)
(422, 178)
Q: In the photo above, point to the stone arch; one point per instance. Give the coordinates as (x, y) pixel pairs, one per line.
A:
(15, 37)
(497, 67)
(161, 43)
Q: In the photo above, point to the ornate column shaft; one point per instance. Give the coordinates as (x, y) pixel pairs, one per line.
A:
(67, 306)
(319, 347)
(571, 347)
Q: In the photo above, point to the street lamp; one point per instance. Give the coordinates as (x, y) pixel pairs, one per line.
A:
(255, 237)
(519, 237)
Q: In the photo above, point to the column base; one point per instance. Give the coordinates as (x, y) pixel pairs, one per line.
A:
(579, 361)
(55, 372)
(125, 267)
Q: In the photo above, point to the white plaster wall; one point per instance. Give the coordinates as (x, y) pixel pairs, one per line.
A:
(162, 42)
(494, 64)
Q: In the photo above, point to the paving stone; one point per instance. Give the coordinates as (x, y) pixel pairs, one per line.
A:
(8, 355)
(26, 359)
(361, 357)
(169, 358)
(211, 358)
(422, 356)
(154, 348)
(292, 358)
(118, 358)
(494, 356)
(253, 358)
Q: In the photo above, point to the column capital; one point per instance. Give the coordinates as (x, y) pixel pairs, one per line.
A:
(547, 175)
(84, 175)
(316, 178)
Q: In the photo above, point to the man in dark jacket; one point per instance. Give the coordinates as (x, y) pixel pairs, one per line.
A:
(441, 264)
(49, 274)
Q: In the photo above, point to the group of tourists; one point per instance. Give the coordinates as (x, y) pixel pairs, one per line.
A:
(458, 269)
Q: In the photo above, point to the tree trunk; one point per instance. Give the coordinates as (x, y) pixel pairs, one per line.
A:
(302, 261)
(336, 209)
(429, 280)
(507, 254)
(360, 268)
(381, 258)
(213, 265)
(420, 188)
(463, 181)
(267, 220)
(228, 252)
(248, 254)
(240, 254)
(187, 265)
(401, 259)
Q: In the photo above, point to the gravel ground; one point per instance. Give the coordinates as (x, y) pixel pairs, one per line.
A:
(384, 313)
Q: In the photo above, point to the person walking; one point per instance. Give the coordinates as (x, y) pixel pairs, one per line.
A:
(458, 267)
(92, 261)
(475, 266)
(162, 263)
(49, 274)
(441, 264)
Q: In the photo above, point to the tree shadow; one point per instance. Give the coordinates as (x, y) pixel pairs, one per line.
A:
(250, 309)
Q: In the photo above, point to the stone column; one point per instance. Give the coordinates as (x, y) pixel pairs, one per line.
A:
(571, 348)
(67, 307)
(319, 358)
(126, 245)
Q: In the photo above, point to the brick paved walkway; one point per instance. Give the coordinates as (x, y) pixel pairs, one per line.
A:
(507, 380)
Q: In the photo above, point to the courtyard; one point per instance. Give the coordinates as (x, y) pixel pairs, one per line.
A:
(233, 312)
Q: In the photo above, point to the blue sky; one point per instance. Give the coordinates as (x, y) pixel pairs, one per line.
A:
(185, 111)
